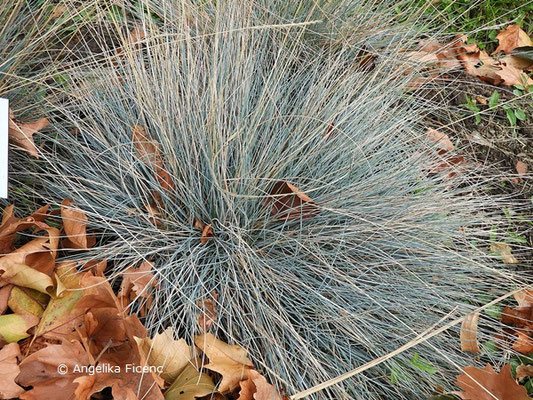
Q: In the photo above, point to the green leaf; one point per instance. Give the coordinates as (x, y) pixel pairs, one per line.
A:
(422, 365)
(493, 99)
(489, 347)
(494, 311)
(517, 92)
(519, 86)
(516, 238)
(520, 114)
(511, 116)
(478, 118)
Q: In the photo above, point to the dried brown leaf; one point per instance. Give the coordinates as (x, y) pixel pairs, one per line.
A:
(149, 152)
(21, 134)
(504, 251)
(208, 313)
(486, 384)
(165, 351)
(521, 168)
(524, 371)
(511, 38)
(75, 226)
(440, 139)
(469, 342)
(289, 202)
(9, 370)
(228, 360)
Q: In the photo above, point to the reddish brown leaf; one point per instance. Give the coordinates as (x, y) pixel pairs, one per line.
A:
(511, 38)
(440, 139)
(524, 371)
(208, 313)
(40, 370)
(486, 384)
(40, 253)
(75, 226)
(10, 225)
(9, 370)
(289, 202)
(21, 134)
(149, 152)
(521, 168)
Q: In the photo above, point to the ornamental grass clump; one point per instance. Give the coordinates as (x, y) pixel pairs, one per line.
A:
(293, 188)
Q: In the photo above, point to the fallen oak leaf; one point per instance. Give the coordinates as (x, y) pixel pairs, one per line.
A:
(10, 225)
(523, 343)
(440, 139)
(39, 254)
(137, 283)
(166, 352)
(228, 360)
(22, 275)
(9, 370)
(41, 370)
(486, 384)
(511, 75)
(5, 291)
(524, 371)
(511, 38)
(190, 384)
(75, 226)
(289, 202)
(256, 387)
(468, 334)
(21, 134)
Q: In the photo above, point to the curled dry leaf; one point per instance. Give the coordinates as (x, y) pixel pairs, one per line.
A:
(208, 313)
(289, 202)
(256, 387)
(75, 226)
(228, 360)
(10, 225)
(21, 134)
(486, 384)
(440, 139)
(9, 370)
(523, 343)
(511, 38)
(149, 152)
(22, 275)
(165, 351)
(23, 301)
(189, 385)
(39, 254)
(524, 298)
(138, 283)
(524, 371)
(469, 342)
